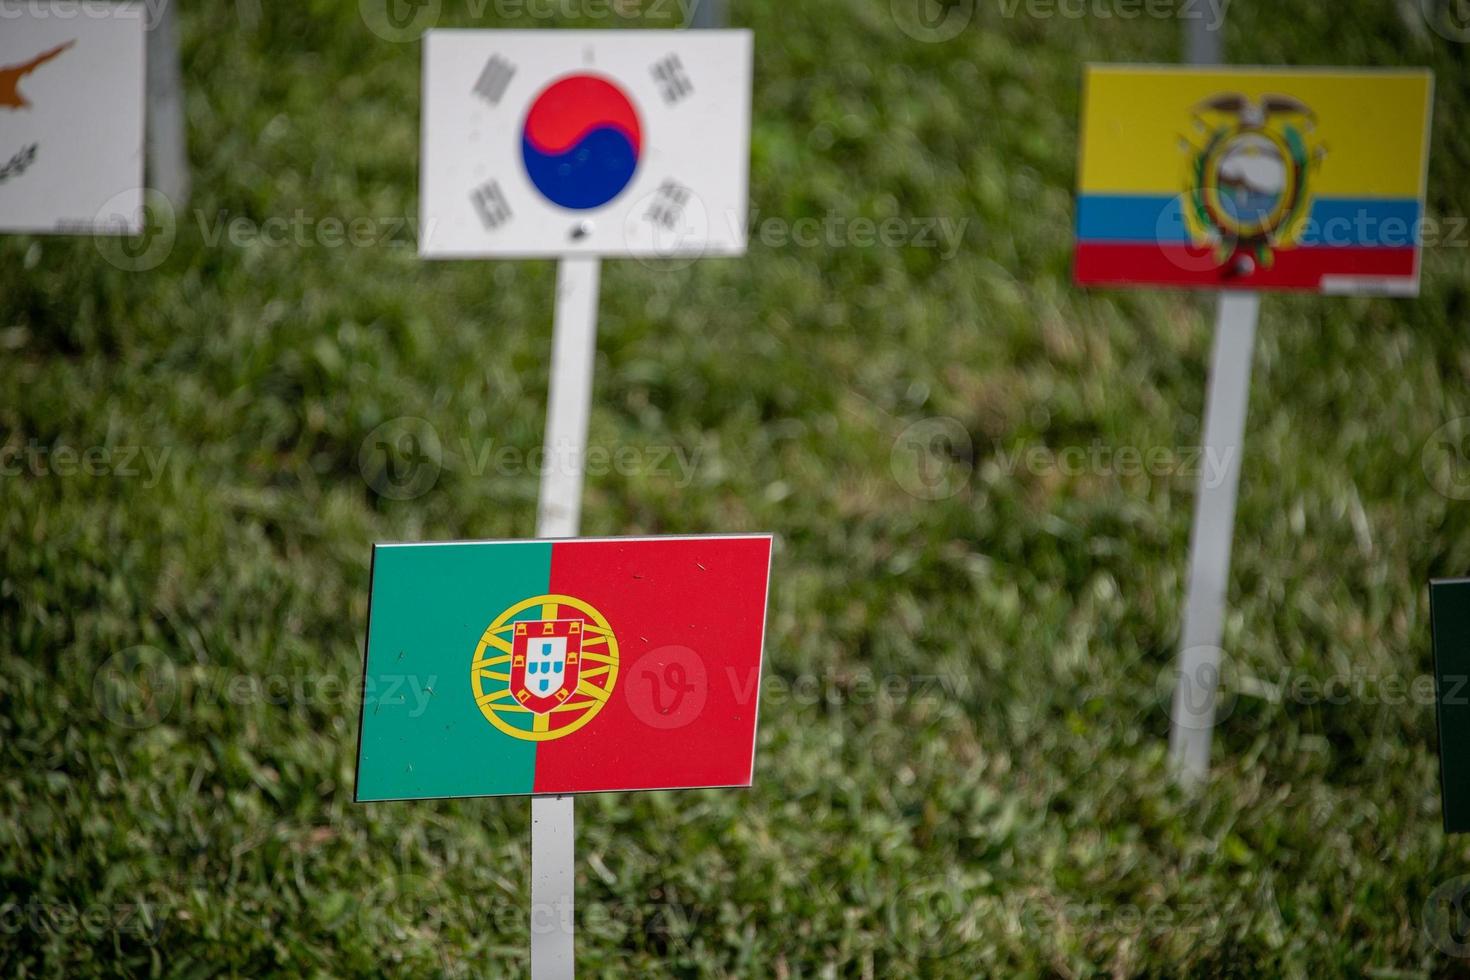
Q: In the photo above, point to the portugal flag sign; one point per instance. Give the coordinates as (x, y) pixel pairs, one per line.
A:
(519, 667)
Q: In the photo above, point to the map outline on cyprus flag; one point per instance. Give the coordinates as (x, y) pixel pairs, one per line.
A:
(11, 96)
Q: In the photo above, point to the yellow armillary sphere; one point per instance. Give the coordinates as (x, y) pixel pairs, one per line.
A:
(545, 667)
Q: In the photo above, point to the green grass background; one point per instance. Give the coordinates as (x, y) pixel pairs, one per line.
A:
(1017, 819)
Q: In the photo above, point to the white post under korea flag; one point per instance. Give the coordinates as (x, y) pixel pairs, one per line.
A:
(71, 118)
(579, 145)
(585, 143)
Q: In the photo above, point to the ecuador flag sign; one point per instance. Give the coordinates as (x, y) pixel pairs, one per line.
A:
(1253, 178)
(504, 668)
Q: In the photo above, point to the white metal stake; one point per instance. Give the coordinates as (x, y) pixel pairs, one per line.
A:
(1192, 718)
(553, 887)
(168, 151)
(569, 400)
(709, 14)
(1203, 35)
(1192, 713)
(573, 348)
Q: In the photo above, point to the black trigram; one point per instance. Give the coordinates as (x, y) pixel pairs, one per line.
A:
(494, 79)
(668, 204)
(491, 204)
(672, 80)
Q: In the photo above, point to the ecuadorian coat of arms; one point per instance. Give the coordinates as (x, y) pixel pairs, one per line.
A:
(1249, 182)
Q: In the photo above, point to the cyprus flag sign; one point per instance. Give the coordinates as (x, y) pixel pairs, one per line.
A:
(597, 143)
(507, 668)
(71, 117)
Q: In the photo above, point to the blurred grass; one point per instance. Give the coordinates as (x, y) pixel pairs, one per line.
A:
(1016, 818)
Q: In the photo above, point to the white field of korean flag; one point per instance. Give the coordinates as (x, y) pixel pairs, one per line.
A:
(71, 117)
(599, 143)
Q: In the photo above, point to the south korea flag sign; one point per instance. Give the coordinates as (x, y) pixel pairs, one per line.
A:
(602, 143)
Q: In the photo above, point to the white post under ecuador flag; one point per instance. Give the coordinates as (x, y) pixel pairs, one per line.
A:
(1243, 180)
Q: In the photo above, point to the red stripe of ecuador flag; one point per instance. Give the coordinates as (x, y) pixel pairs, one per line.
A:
(689, 615)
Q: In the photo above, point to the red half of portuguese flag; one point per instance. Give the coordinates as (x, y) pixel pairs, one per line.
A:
(503, 668)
